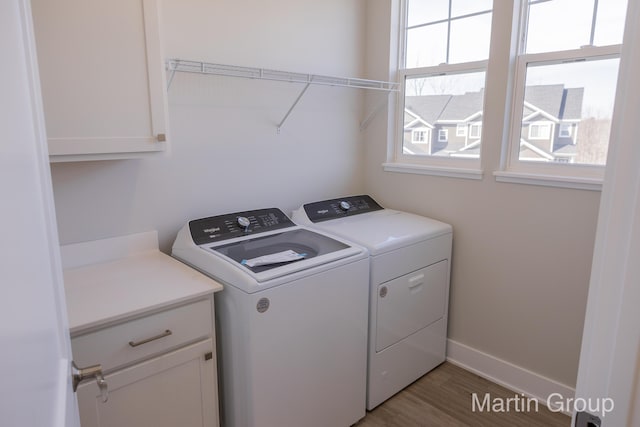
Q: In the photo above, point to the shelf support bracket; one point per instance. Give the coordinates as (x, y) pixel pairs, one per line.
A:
(365, 123)
(293, 106)
(172, 73)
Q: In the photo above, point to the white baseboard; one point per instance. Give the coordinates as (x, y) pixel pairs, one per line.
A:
(508, 375)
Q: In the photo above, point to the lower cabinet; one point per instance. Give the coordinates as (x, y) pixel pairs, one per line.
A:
(174, 389)
(159, 368)
(142, 328)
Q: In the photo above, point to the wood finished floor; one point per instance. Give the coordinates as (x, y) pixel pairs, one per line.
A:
(443, 398)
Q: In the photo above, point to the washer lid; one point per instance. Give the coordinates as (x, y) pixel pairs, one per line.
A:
(276, 250)
(218, 245)
(228, 261)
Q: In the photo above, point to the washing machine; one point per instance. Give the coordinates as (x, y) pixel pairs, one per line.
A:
(291, 321)
(409, 286)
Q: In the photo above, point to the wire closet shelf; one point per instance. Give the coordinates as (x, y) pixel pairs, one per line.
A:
(198, 67)
(181, 65)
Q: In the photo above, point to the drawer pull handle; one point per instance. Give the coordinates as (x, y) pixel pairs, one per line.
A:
(157, 337)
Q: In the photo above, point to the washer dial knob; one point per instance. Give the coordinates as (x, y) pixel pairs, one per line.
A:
(244, 222)
(344, 205)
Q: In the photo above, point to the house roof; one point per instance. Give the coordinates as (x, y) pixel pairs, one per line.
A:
(463, 106)
(555, 100)
(428, 108)
(572, 107)
(547, 98)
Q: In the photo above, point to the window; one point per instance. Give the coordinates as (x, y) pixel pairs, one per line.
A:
(566, 75)
(445, 47)
(539, 130)
(475, 130)
(419, 136)
(565, 130)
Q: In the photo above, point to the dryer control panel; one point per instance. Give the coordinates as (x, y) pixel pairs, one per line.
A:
(238, 224)
(339, 208)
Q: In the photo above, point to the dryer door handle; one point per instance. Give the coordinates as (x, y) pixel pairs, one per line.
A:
(416, 281)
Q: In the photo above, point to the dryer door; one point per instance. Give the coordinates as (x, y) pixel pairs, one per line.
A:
(409, 303)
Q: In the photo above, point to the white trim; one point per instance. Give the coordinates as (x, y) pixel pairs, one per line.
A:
(476, 114)
(417, 119)
(506, 374)
(611, 342)
(577, 183)
(443, 135)
(510, 162)
(444, 69)
(399, 154)
(158, 99)
(474, 144)
(450, 172)
(537, 111)
(461, 129)
(535, 149)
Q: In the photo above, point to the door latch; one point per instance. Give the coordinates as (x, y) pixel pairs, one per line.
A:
(95, 371)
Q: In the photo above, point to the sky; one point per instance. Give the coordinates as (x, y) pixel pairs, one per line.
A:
(553, 25)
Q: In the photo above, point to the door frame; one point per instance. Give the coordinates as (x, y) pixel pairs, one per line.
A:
(610, 356)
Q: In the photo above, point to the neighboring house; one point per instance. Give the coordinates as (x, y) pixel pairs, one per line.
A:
(550, 120)
(451, 125)
(459, 127)
(421, 115)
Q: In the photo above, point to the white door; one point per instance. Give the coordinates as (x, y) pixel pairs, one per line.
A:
(608, 383)
(35, 360)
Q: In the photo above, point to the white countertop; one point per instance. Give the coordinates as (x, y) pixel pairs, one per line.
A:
(113, 279)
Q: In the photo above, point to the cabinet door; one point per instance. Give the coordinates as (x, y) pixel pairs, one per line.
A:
(102, 77)
(175, 389)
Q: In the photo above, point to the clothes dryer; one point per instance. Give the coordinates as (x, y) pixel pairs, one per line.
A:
(291, 321)
(409, 286)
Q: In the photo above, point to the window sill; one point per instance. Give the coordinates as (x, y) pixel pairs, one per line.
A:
(592, 184)
(450, 172)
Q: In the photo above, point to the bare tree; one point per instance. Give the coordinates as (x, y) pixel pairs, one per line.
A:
(593, 141)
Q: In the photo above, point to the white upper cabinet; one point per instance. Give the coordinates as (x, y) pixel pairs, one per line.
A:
(102, 76)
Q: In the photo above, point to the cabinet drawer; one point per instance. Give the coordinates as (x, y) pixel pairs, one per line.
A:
(140, 338)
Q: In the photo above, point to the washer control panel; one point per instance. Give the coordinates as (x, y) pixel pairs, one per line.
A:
(340, 208)
(229, 226)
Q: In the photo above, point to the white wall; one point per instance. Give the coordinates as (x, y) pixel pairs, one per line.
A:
(225, 153)
(521, 253)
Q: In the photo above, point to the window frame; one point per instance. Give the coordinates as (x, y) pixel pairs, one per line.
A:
(424, 162)
(424, 131)
(575, 175)
(443, 135)
(459, 167)
(568, 128)
(475, 125)
(544, 124)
